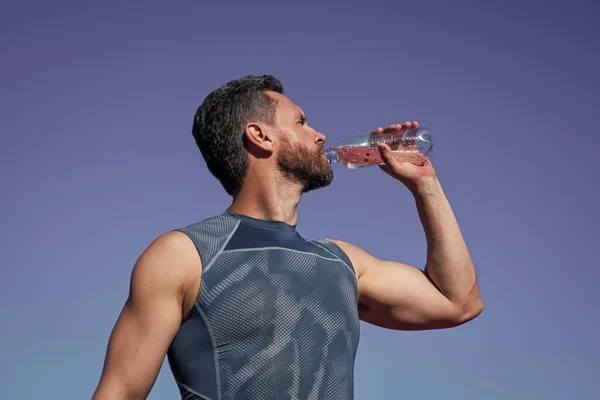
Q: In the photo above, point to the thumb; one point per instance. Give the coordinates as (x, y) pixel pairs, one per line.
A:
(386, 154)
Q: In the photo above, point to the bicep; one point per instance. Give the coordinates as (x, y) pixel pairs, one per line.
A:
(399, 296)
(147, 324)
(137, 347)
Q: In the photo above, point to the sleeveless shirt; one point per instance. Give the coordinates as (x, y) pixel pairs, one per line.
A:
(275, 318)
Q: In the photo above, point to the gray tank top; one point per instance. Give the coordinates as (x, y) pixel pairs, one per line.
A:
(276, 316)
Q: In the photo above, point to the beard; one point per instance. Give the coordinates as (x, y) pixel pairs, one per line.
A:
(303, 166)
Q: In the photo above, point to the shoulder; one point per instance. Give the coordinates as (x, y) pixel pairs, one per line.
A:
(217, 225)
(210, 235)
(343, 250)
(359, 258)
(174, 247)
(168, 264)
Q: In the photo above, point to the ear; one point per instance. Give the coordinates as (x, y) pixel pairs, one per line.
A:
(258, 138)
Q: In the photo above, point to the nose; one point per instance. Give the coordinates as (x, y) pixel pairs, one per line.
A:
(320, 138)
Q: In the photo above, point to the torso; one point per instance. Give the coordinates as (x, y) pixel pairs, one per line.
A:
(275, 316)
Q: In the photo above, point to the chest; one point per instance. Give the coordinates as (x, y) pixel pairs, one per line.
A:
(254, 293)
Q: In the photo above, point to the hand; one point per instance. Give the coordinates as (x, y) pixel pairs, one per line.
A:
(408, 173)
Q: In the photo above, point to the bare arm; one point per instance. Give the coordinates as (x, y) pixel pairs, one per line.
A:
(449, 264)
(150, 318)
(400, 296)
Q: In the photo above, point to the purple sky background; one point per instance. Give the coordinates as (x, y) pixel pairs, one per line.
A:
(97, 160)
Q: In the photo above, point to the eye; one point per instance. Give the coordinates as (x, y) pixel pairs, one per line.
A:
(302, 121)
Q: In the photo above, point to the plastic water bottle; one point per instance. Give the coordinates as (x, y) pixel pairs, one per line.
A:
(413, 145)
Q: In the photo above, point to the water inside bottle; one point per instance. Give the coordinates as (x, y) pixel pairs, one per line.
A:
(357, 156)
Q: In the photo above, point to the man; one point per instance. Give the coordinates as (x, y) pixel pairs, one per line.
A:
(242, 305)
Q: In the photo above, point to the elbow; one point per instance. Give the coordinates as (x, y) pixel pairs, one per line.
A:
(476, 308)
(470, 311)
(466, 312)
(471, 306)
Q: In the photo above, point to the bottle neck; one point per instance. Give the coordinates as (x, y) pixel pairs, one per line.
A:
(332, 156)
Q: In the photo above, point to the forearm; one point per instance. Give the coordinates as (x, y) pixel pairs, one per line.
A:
(449, 264)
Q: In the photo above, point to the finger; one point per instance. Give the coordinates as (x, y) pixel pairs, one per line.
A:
(407, 125)
(415, 124)
(393, 128)
(377, 131)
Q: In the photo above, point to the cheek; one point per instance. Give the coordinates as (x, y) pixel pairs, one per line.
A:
(293, 136)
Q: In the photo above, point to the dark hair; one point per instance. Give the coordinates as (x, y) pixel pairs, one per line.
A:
(219, 125)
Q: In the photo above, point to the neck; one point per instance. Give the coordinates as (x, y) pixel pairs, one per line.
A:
(271, 198)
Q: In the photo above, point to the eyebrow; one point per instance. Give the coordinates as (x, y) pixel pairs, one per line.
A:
(301, 116)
